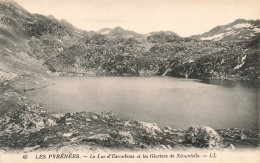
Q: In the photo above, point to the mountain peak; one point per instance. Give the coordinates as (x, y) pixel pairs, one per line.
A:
(238, 21)
(9, 5)
(239, 30)
(104, 30)
(163, 33)
(9, 2)
(118, 28)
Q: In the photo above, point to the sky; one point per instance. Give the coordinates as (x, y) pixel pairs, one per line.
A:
(185, 17)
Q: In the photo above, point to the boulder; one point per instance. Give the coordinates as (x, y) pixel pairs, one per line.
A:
(126, 136)
(232, 147)
(203, 136)
(150, 128)
(99, 137)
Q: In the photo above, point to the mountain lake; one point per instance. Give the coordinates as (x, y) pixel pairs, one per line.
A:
(174, 102)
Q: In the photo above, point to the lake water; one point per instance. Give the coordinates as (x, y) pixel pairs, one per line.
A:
(174, 102)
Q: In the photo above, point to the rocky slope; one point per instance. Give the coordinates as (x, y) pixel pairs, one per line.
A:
(64, 49)
(161, 54)
(30, 128)
(238, 30)
(34, 47)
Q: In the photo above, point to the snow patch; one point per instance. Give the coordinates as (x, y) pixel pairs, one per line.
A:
(229, 33)
(67, 134)
(243, 58)
(129, 36)
(221, 35)
(215, 37)
(242, 25)
(105, 32)
(242, 63)
(256, 29)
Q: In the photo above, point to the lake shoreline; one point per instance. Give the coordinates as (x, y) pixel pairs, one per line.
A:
(142, 97)
(105, 130)
(25, 124)
(85, 74)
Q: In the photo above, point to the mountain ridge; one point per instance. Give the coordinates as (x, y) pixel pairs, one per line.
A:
(35, 48)
(240, 29)
(119, 32)
(62, 48)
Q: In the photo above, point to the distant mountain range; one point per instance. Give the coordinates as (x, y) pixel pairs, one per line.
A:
(119, 32)
(33, 48)
(34, 44)
(239, 30)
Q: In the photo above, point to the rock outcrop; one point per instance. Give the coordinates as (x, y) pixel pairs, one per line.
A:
(31, 128)
(203, 136)
(29, 41)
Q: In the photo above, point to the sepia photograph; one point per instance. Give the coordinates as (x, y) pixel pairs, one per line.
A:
(129, 80)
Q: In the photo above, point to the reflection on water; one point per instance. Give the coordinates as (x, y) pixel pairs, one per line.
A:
(251, 85)
(179, 103)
